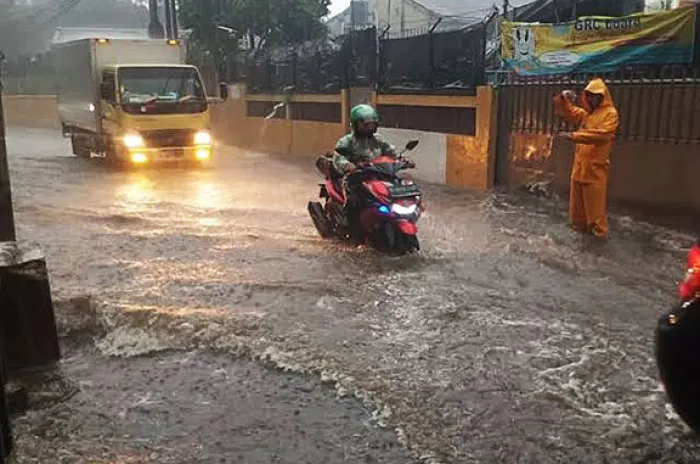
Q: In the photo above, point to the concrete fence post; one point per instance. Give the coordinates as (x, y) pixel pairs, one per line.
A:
(345, 109)
(27, 319)
(7, 220)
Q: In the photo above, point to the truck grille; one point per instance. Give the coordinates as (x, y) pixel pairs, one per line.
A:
(169, 138)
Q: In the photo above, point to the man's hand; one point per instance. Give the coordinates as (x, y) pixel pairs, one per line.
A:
(350, 168)
(566, 135)
(569, 95)
(410, 164)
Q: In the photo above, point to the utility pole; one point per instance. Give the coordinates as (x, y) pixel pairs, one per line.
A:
(168, 20)
(506, 5)
(352, 16)
(171, 31)
(7, 219)
(173, 8)
(155, 27)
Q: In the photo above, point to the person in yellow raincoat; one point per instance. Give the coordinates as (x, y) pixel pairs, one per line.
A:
(598, 121)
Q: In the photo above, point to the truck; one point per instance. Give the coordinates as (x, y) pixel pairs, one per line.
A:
(132, 101)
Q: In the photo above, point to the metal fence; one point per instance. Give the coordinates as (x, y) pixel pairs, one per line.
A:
(655, 105)
(447, 61)
(324, 66)
(28, 75)
(442, 62)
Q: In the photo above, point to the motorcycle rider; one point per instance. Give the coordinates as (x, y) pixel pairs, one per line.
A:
(363, 144)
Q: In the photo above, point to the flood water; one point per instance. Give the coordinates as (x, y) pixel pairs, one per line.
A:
(507, 339)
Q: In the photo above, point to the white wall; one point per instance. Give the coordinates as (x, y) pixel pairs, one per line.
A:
(341, 23)
(402, 16)
(656, 5)
(430, 155)
(337, 24)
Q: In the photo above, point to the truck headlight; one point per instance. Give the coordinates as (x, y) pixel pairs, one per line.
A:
(139, 158)
(133, 141)
(202, 154)
(202, 138)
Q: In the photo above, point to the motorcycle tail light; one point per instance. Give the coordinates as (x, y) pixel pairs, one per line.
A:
(690, 287)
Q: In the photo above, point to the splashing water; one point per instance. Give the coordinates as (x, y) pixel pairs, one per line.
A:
(505, 337)
(266, 123)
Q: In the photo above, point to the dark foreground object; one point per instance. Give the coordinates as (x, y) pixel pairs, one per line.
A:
(26, 310)
(678, 360)
(5, 430)
(6, 442)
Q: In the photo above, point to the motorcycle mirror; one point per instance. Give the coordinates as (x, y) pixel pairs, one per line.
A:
(411, 145)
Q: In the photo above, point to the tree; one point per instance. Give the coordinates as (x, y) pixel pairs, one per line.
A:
(28, 29)
(254, 25)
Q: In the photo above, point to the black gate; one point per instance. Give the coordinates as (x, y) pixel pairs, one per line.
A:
(526, 106)
(505, 100)
(656, 105)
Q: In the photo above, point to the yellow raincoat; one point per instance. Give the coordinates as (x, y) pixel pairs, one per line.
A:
(594, 140)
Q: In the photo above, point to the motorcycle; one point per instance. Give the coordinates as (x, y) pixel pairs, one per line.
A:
(678, 346)
(389, 204)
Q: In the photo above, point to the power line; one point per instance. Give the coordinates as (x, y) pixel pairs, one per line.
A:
(64, 7)
(17, 11)
(59, 8)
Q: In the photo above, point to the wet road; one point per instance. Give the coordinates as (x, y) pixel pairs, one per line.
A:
(508, 339)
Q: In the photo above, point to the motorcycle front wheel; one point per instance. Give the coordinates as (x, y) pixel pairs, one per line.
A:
(405, 244)
(396, 242)
(322, 224)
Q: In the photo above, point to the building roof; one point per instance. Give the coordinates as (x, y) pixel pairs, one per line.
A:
(468, 9)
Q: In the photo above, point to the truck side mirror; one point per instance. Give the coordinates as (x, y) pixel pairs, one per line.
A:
(223, 91)
(105, 92)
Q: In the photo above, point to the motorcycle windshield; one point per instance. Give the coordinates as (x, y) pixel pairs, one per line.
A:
(388, 169)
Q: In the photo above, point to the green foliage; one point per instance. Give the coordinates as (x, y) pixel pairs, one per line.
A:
(29, 29)
(259, 24)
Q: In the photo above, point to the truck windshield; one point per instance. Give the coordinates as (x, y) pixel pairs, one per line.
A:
(172, 89)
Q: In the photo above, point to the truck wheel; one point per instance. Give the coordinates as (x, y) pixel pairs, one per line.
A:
(79, 149)
(114, 157)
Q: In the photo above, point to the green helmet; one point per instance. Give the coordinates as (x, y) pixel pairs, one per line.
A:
(363, 113)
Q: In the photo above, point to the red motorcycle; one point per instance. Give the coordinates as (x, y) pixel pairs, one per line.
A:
(389, 204)
(678, 346)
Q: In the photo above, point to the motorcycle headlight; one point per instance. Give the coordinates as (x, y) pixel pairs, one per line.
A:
(404, 210)
(133, 141)
(202, 138)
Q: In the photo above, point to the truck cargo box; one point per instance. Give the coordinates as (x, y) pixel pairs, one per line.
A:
(79, 65)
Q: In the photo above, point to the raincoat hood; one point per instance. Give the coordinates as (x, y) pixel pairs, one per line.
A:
(597, 86)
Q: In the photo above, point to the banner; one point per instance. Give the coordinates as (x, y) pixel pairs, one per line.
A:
(599, 44)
